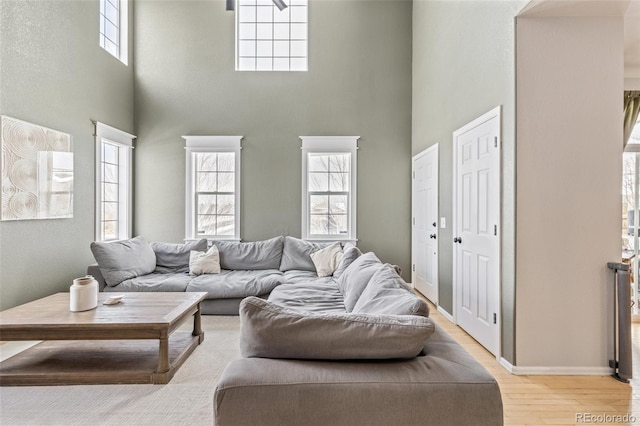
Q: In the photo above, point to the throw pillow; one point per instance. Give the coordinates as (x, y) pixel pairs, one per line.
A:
(350, 253)
(255, 255)
(272, 331)
(123, 260)
(326, 260)
(204, 263)
(297, 254)
(171, 256)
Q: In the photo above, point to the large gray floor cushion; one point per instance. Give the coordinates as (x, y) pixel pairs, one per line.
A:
(443, 387)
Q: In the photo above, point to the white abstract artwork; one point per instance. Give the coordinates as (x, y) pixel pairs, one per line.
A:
(37, 172)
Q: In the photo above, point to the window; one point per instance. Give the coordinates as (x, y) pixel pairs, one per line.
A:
(114, 28)
(213, 187)
(113, 183)
(270, 39)
(329, 187)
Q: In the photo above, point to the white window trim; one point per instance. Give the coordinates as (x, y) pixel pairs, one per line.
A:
(124, 140)
(333, 145)
(210, 144)
(123, 32)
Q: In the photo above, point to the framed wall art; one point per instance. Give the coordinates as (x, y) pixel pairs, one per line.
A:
(37, 171)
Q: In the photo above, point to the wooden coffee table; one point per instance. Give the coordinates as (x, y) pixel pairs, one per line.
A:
(109, 344)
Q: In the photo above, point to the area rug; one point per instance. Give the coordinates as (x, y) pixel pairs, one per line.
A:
(186, 400)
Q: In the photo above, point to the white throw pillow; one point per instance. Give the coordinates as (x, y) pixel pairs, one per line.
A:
(326, 260)
(204, 263)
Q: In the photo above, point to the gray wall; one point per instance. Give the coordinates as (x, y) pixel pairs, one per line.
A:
(54, 73)
(463, 66)
(358, 83)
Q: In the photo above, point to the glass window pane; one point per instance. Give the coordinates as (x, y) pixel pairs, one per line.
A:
(110, 230)
(206, 182)
(206, 225)
(318, 182)
(226, 204)
(340, 162)
(247, 48)
(319, 225)
(206, 204)
(281, 64)
(226, 225)
(298, 48)
(109, 211)
(265, 13)
(264, 64)
(246, 64)
(264, 3)
(246, 2)
(298, 64)
(298, 13)
(206, 162)
(318, 163)
(247, 14)
(264, 31)
(298, 31)
(338, 204)
(338, 224)
(264, 48)
(247, 31)
(226, 182)
(281, 32)
(319, 204)
(281, 15)
(110, 173)
(281, 48)
(109, 153)
(110, 191)
(339, 182)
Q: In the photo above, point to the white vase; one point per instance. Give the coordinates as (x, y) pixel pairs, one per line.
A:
(83, 294)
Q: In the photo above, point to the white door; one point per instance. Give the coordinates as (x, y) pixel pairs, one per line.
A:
(476, 229)
(424, 236)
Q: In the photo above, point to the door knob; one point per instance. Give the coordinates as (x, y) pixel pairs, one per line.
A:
(434, 224)
(432, 236)
(457, 240)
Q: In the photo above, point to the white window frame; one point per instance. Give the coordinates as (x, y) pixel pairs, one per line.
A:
(122, 29)
(198, 144)
(330, 145)
(262, 48)
(124, 142)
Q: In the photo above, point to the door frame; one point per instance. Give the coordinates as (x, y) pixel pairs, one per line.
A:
(494, 113)
(434, 147)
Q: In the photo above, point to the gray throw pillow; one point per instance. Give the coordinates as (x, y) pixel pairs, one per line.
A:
(272, 331)
(170, 256)
(250, 256)
(349, 254)
(356, 277)
(297, 254)
(123, 260)
(388, 294)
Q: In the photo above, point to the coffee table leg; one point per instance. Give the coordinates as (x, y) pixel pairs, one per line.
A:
(163, 359)
(197, 325)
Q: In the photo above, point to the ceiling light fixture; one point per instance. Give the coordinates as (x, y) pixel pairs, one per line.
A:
(280, 4)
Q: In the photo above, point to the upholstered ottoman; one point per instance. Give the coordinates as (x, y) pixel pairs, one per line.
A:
(443, 386)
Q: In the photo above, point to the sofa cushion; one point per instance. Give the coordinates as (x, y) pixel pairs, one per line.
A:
(319, 295)
(248, 256)
(356, 277)
(326, 260)
(171, 256)
(388, 294)
(297, 254)
(271, 331)
(153, 282)
(230, 284)
(204, 263)
(122, 260)
(349, 254)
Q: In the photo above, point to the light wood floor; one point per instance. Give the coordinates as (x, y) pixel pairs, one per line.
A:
(557, 400)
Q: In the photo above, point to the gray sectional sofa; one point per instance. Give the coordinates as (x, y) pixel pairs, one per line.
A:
(355, 347)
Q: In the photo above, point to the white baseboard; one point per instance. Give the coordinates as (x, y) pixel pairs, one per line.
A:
(9, 349)
(446, 314)
(555, 371)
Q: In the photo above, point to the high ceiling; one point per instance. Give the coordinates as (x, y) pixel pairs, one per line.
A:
(632, 40)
